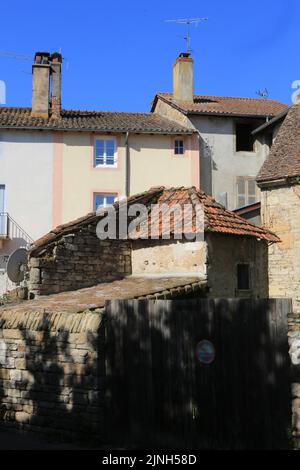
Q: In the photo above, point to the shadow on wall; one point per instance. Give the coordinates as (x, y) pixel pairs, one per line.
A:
(158, 394)
(57, 386)
(161, 395)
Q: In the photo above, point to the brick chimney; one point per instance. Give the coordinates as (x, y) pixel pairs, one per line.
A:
(56, 85)
(40, 85)
(183, 78)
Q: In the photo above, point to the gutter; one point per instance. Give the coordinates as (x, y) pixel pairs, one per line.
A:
(112, 131)
(127, 165)
(286, 180)
(269, 123)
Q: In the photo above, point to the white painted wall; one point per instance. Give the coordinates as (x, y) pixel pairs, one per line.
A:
(26, 170)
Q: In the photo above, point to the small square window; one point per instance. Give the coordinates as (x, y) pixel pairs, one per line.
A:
(243, 276)
(179, 147)
(103, 200)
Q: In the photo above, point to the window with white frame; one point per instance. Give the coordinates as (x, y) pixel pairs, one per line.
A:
(105, 153)
(103, 200)
(179, 147)
(246, 191)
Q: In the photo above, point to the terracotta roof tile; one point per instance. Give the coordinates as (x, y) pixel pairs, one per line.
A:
(216, 218)
(284, 158)
(100, 121)
(225, 105)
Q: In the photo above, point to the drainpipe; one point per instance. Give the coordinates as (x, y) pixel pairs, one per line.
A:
(127, 165)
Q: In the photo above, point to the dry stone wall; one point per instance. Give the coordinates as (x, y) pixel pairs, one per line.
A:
(52, 373)
(78, 260)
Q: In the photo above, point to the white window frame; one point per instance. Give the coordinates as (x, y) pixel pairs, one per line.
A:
(105, 196)
(105, 165)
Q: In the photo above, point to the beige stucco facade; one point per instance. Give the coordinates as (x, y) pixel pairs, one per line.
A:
(152, 162)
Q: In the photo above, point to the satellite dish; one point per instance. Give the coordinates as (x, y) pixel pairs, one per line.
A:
(16, 265)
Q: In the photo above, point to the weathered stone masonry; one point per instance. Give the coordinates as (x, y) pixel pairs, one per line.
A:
(78, 260)
(294, 343)
(52, 372)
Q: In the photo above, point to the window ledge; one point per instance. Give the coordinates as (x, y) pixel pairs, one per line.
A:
(244, 292)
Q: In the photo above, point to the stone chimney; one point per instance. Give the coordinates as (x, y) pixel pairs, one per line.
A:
(56, 84)
(183, 78)
(40, 85)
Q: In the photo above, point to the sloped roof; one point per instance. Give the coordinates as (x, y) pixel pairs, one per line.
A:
(95, 297)
(224, 105)
(284, 158)
(98, 121)
(216, 218)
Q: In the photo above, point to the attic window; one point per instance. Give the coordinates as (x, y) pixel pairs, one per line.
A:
(244, 138)
(243, 276)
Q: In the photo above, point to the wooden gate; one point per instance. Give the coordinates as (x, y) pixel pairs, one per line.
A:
(159, 394)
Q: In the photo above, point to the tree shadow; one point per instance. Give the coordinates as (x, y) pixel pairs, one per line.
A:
(162, 396)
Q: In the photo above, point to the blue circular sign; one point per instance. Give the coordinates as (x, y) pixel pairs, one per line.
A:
(205, 352)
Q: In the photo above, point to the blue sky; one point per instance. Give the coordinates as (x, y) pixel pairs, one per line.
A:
(120, 53)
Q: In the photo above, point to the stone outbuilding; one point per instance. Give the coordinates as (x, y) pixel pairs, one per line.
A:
(227, 254)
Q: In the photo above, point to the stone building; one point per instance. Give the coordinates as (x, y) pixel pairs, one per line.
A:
(279, 180)
(231, 154)
(225, 252)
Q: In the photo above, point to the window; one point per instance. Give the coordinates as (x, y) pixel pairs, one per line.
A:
(178, 147)
(105, 153)
(243, 276)
(244, 138)
(102, 200)
(246, 191)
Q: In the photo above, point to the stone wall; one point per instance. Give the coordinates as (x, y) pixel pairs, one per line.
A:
(280, 212)
(51, 373)
(294, 343)
(77, 260)
(224, 253)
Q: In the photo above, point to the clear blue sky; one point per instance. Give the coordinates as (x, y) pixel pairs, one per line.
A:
(120, 53)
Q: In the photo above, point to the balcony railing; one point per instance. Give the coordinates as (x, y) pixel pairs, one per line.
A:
(10, 229)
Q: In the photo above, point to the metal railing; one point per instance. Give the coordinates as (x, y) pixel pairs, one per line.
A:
(10, 229)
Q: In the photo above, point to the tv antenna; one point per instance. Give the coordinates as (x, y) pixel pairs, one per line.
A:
(188, 22)
(15, 55)
(263, 93)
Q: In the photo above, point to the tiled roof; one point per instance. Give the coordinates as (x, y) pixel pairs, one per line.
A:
(99, 121)
(216, 218)
(92, 298)
(224, 105)
(284, 158)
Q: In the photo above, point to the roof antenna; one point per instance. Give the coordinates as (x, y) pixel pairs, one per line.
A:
(263, 93)
(188, 22)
